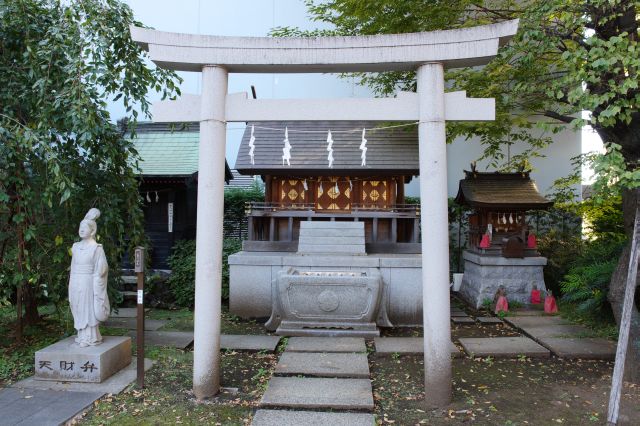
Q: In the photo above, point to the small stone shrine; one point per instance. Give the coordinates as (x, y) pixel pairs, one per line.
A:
(502, 248)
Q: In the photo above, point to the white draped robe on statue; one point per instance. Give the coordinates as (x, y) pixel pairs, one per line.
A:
(88, 291)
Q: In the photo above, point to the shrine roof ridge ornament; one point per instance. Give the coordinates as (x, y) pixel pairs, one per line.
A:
(396, 52)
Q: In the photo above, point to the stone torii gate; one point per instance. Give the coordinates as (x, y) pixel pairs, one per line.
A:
(429, 53)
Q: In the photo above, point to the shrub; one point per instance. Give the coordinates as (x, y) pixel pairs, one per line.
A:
(235, 199)
(587, 282)
(183, 270)
(561, 250)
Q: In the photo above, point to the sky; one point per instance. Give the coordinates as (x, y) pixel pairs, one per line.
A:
(241, 18)
(257, 18)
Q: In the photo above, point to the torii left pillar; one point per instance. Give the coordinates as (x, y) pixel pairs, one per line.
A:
(211, 168)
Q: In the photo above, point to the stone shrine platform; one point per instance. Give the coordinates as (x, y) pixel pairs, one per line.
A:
(484, 274)
(66, 361)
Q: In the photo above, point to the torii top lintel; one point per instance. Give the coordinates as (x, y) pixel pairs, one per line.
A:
(390, 52)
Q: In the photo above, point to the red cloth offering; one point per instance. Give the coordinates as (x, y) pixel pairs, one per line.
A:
(531, 242)
(484, 242)
(502, 304)
(535, 297)
(550, 306)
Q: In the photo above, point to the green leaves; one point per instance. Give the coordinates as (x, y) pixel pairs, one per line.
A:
(568, 56)
(60, 63)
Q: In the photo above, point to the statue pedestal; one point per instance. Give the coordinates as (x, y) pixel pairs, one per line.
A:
(65, 361)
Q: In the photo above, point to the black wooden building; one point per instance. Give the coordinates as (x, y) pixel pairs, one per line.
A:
(168, 184)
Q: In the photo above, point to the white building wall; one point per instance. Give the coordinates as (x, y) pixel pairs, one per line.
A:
(555, 164)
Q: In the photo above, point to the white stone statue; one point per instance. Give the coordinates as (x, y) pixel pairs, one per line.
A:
(88, 283)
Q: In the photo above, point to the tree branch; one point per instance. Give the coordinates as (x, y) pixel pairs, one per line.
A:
(560, 117)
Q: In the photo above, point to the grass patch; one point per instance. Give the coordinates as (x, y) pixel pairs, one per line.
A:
(168, 399)
(182, 320)
(17, 360)
(599, 326)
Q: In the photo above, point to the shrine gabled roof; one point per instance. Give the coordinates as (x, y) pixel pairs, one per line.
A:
(393, 150)
(169, 149)
(500, 191)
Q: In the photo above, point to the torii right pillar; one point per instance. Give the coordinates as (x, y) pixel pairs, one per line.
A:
(435, 234)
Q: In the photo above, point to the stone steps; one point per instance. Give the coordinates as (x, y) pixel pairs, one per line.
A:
(334, 376)
(323, 364)
(322, 344)
(310, 418)
(318, 393)
(314, 238)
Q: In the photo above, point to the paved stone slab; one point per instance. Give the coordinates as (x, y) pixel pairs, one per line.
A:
(66, 361)
(132, 323)
(306, 392)
(463, 320)
(326, 344)
(560, 330)
(176, 339)
(114, 384)
(405, 345)
(310, 418)
(244, 342)
(528, 312)
(126, 313)
(503, 347)
(535, 321)
(459, 314)
(324, 364)
(489, 320)
(42, 407)
(587, 348)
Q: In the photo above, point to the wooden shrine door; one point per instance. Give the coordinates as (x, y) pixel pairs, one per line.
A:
(333, 194)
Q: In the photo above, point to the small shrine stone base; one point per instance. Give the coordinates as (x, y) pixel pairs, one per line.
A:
(484, 274)
(67, 362)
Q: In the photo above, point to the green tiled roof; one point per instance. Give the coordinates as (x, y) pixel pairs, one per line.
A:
(167, 153)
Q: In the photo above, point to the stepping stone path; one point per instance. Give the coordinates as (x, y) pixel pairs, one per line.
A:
(560, 330)
(343, 384)
(319, 344)
(565, 340)
(489, 320)
(176, 339)
(463, 320)
(583, 348)
(535, 321)
(132, 323)
(503, 347)
(243, 342)
(42, 407)
(44, 402)
(310, 418)
(313, 393)
(324, 364)
(405, 345)
(126, 313)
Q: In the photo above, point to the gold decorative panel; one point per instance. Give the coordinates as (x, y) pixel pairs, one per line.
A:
(292, 191)
(333, 194)
(375, 193)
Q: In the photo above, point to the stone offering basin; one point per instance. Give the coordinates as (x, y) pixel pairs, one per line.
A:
(326, 302)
